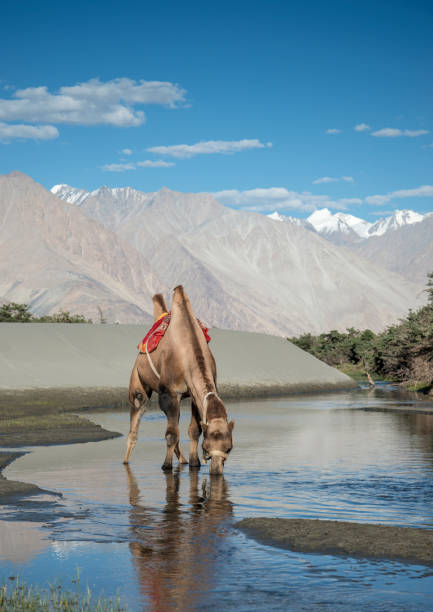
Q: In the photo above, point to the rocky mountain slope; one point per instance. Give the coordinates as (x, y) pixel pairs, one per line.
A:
(407, 251)
(52, 256)
(246, 271)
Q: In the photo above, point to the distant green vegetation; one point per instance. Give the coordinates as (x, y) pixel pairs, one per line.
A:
(402, 353)
(20, 313)
(17, 595)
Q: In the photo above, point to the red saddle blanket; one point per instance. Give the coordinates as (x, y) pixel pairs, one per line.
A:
(157, 331)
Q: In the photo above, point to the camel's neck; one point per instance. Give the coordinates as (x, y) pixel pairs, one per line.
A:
(214, 408)
(193, 349)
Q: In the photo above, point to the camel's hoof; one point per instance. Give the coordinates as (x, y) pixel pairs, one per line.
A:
(166, 467)
(194, 463)
(183, 461)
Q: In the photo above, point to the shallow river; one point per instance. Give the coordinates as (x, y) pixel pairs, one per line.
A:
(167, 542)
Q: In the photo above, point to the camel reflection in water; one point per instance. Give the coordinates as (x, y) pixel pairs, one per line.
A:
(176, 552)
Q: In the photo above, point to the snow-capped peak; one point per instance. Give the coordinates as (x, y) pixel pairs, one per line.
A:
(325, 222)
(398, 219)
(321, 219)
(70, 194)
(275, 216)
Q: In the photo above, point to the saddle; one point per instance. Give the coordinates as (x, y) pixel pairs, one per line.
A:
(157, 331)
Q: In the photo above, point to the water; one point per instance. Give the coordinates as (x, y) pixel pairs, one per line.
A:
(167, 542)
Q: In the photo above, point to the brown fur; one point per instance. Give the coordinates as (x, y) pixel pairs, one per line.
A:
(159, 306)
(187, 368)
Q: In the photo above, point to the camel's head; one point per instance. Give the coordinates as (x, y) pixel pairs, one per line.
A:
(217, 442)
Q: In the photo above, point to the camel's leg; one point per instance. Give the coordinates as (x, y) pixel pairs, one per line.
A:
(177, 449)
(138, 398)
(169, 404)
(179, 454)
(194, 431)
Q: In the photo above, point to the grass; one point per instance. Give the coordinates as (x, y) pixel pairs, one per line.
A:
(421, 387)
(51, 421)
(21, 596)
(355, 372)
(59, 400)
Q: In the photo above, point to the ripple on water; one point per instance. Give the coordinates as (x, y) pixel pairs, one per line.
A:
(167, 540)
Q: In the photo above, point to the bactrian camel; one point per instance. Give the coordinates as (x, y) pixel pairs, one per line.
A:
(181, 366)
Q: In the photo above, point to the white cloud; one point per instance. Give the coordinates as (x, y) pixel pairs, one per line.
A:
(325, 179)
(419, 192)
(10, 132)
(272, 198)
(350, 201)
(331, 179)
(396, 133)
(414, 133)
(155, 164)
(425, 191)
(126, 151)
(122, 167)
(378, 200)
(118, 167)
(333, 131)
(91, 103)
(382, 213)
(183, 151)
(362, 127)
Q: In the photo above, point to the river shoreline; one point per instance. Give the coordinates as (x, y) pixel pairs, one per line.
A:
(56, 415)
(341, 538)
(12, 490)
(52, 416)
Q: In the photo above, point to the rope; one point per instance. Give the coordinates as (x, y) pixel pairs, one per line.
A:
(212, 453)
(218, 453)
(154, 370)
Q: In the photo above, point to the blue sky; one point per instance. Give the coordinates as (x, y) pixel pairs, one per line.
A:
(254, 101)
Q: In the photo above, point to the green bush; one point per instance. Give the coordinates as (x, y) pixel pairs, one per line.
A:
(403, 352)
(20, 313)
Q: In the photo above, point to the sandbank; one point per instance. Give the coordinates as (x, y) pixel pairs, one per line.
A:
(404, 544)
(11, 489)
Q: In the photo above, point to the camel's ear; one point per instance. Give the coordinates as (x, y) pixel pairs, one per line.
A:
(231, 425)
(204, 427)
(159, 306)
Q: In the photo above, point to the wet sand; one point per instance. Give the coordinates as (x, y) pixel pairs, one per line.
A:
(43, 417)
(13, 489)
(406, 544)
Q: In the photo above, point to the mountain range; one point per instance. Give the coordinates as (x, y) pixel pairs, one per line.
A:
(108, 250)
(342, 228)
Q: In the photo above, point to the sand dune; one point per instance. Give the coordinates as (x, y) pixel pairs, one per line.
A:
(45, 355)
